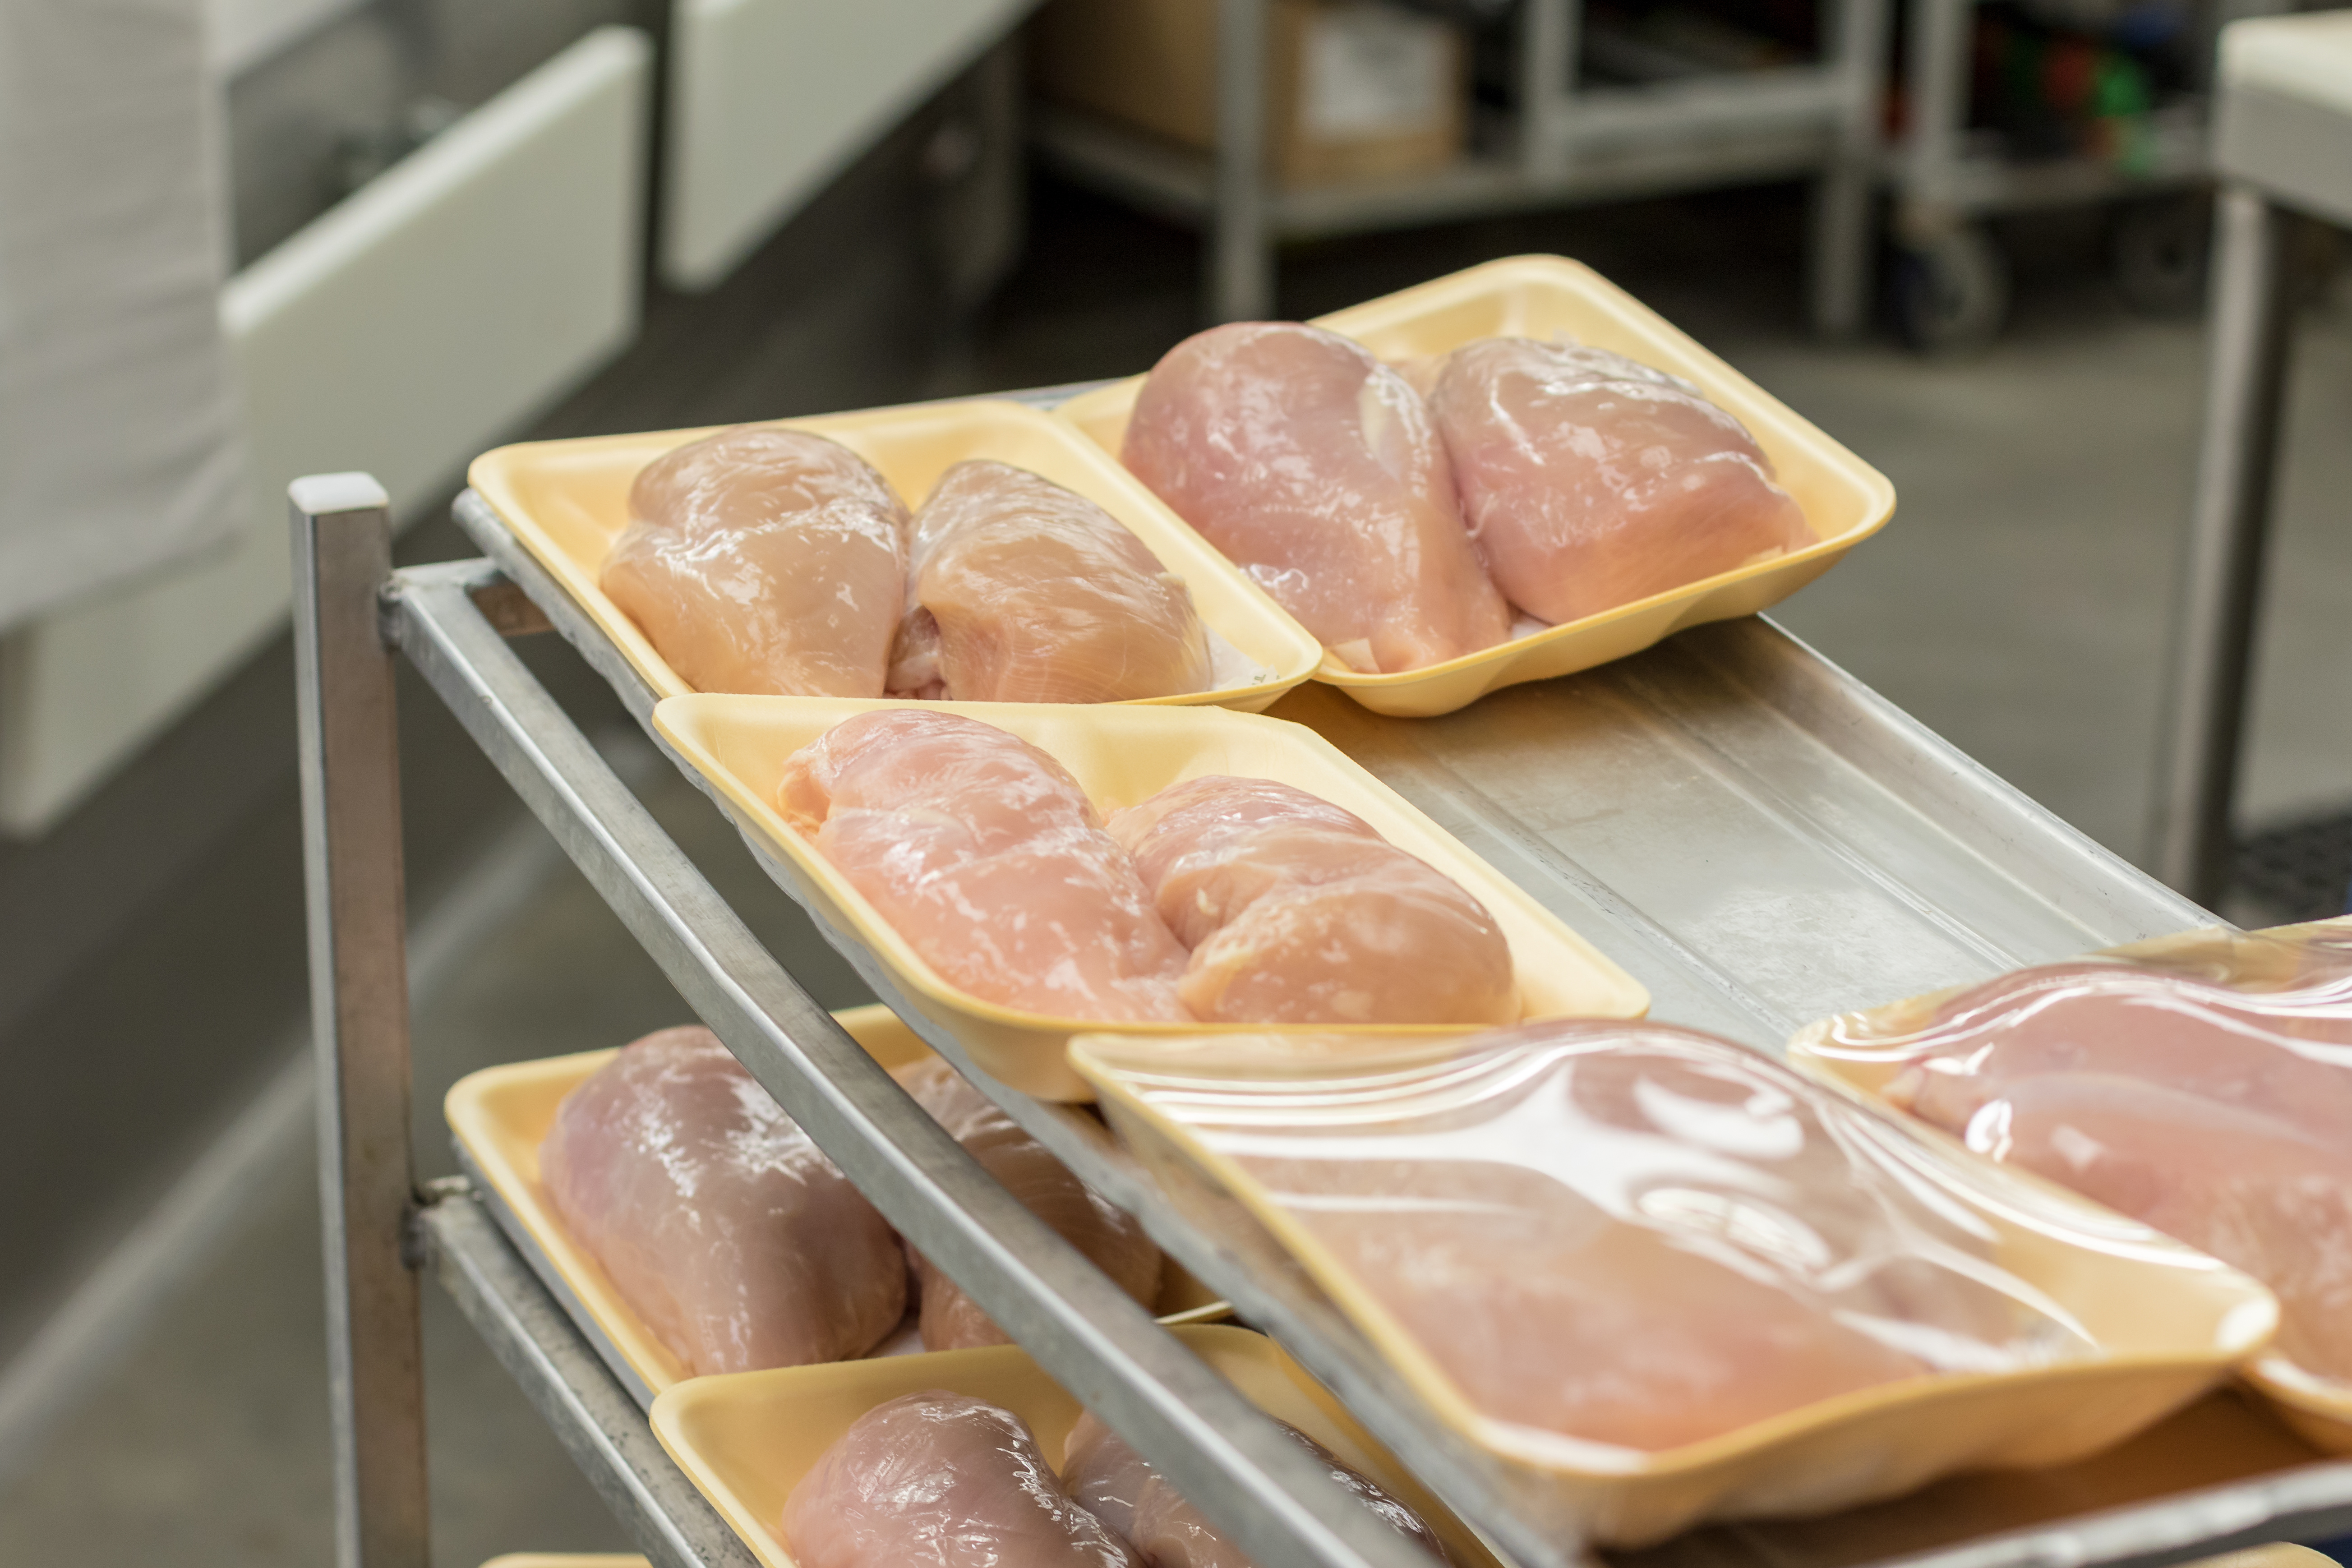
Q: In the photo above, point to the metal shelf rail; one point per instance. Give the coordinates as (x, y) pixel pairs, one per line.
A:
(1755, 834)
(1566, 145)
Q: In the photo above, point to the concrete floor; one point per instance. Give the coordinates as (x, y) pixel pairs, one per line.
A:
(2018, 603)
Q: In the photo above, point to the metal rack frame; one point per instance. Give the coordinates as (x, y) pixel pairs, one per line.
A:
(1813, 777)
(1569, 146)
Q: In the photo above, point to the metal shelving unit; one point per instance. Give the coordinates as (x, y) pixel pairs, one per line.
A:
(1565, 144)
(1751, 832)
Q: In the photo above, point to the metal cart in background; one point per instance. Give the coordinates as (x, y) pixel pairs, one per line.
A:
(1562, 144)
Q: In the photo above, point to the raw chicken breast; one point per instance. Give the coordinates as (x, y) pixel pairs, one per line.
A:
(2221, 1118)
(1300, 912)
(1125, 1492)
(719, 1220)
(1316, 469)
(942, 1480)
(988, 858)
(1631, 1235)
(764, 560)
(1108, 1235)
(1590, 481)
(1025, 592)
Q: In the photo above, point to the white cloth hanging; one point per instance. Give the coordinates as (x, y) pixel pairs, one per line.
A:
(118, 423)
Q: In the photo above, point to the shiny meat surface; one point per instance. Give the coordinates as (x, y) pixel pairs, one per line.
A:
(1125, 1492)
(1025, 592)
(1299, 912)
(988, 858)
(1316, 469)
(764, 560)
(2220, 1118)
(717, 1219)
(1108, 1235)
(942, 1480)
(1590, 481)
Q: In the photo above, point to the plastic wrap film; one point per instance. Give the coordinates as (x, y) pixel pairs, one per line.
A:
(937, 1479)
(1298, 912)
(1024, 591)
(1120, 1488)
(2201, 1083)
(764, 560)
(1661, 1278)
(1111, 1238)
(987, 856)
(1316, 469)
(719, 1220)
(1590, 481)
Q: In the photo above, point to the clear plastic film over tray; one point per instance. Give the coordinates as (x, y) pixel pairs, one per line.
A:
(567, 501)
(1119, 755)
(500, 1116)
(2201, 1082)
(1544, 296)
(1661, 1279)
(747, 1439)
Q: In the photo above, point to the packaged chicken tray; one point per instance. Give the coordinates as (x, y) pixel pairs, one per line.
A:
(1615, 481)
(750, 1440)
(571, 504)
(2199, 1082)
(500, 1118)
(750, 748)
(1663, 1280)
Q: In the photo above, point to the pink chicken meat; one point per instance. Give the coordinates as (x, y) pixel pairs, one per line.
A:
(717, 1219)
(1106, 1233)
(1122, 1489)
(764, 560)
(1300, 912)
(1025, 592)
(1315, 469)
(984, 854)
(2219, 1118)
(942, 1480)
(1591, 480)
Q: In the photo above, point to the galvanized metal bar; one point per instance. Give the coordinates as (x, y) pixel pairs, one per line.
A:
(1936, 107)
(590, 1413)
(1103, 1348)
(1843, 237)
(2228, 527)
(349, 767)
(1241, 249)
(1546, 87)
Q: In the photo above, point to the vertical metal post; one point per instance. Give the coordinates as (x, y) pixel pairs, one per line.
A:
(1854, 50)
(2212, 653)
(1935, 97)
(349, 752)
(1241, 251)
(1546, 85)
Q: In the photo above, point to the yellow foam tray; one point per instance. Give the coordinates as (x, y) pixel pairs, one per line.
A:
(747, 1439)
(1846, 501)
(569, 500)
(2171, 1321)
(2318, 1408)
(1120, 755)
(502, 1115)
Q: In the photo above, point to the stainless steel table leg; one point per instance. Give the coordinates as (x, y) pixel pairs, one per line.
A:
(359, 1008)
(2221, 572)
(1841, 238)
(1241, 251)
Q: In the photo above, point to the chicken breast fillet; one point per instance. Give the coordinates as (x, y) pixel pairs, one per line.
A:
(942, 1480)
(764, 560)
(1110, 1236)
(984, 854)
(1123, 1490)
(719, 1220)
(1315, 469)
(1300, 912)
(1590, 481)
(1025, 592)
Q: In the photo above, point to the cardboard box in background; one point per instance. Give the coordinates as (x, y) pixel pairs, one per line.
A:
(1355, 88)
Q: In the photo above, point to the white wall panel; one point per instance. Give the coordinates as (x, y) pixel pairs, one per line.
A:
(404, 330)
(771, 98)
